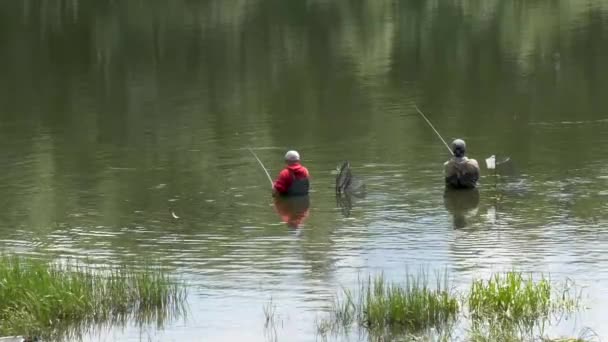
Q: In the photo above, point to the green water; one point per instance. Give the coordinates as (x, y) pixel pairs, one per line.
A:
(116, 114)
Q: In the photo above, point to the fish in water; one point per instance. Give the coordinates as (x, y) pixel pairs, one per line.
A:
(346, 183)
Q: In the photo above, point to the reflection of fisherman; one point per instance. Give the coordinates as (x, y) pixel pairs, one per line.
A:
(460, 171)
(293, 179)
(461, 204)
(293, 210)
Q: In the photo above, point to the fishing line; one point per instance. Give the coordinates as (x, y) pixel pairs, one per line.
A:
(263, 167)
(433, 128)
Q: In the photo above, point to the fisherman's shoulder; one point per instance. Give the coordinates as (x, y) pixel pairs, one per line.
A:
(285, 172)
(473, 162)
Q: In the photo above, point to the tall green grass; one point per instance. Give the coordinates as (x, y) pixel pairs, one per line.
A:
(510, 297)
(511, 306)
(412, 307)
(44, 299)
(380, 305)
(507, 307)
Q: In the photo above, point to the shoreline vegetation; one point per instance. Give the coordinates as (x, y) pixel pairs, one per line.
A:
(50, 301)
(508, 306)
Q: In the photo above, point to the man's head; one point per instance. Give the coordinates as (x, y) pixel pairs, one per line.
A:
(459, 148)
(292, 157)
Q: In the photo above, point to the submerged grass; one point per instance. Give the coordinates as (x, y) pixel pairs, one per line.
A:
(43, 299)
(585, 335)
(271, 321)
(510, 333)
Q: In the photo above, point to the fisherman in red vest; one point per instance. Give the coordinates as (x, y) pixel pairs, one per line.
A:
(293, 179)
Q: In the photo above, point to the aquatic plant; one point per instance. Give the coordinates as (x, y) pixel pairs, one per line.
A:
(270, 310)
(409, 308)
(512, 297)
(412, 307)
(507, 307)
(272, 321)
(44, 299)
(495, 332)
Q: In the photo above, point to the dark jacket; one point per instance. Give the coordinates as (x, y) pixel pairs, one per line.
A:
(461, 173)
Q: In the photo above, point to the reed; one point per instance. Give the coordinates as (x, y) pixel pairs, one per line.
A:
(44, 299)
(511, 297)
(507, 307)
(409, 308)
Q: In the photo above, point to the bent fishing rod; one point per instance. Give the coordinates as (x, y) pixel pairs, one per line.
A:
(262, 165)
(434, 130)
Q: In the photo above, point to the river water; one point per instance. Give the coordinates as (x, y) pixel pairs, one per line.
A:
(117, 115)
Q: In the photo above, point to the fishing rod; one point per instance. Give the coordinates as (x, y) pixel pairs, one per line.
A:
(434, 130)
(263, 167)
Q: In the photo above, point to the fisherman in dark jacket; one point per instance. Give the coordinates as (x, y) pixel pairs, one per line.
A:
(460, 171)
(293, 180)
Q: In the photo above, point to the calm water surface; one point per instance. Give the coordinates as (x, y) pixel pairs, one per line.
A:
(114, 114)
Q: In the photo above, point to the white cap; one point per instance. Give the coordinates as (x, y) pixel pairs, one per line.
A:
(292, 156)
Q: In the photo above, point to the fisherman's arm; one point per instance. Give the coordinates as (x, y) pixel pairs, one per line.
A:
(282, 183)
(474, 169)
(448, 168)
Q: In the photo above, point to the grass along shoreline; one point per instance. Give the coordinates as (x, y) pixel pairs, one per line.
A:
(52, 301)
(510, 306)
